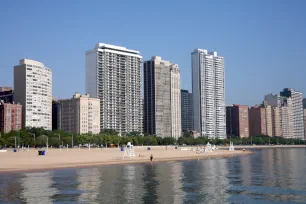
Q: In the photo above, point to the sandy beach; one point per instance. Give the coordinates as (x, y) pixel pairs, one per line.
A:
(29, 160)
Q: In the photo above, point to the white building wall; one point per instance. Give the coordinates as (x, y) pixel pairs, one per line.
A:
(175, 101)
(33, 90)
(286, 116)
(297, 105)
(113, 74)
(208, 94)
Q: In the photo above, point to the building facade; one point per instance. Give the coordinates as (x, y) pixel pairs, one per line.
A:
(10, 117)
(54, 113)
(257, 121)
(6, 94)
(276, 121)
(269, 123)
(33, 90)
(304, 124)
(208, 94)
(304, 104)
(80, 115)
(237, 121)
(286, 115)
(162, 98)
(297, 111)
(113, 74)
(186, 110)
(273, 100)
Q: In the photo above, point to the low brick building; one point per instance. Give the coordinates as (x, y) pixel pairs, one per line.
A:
(237, 121)
(10, 117)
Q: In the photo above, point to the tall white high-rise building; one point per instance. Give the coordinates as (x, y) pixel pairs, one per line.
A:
(113, 74)
(287, 118)
(208, 94)
(33, 90)
(162, 98)
(297, 111)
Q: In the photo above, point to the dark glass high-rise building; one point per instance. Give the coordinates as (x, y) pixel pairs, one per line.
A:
(186, 110)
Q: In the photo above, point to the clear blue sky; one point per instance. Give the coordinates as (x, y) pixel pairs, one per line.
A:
(263, 42)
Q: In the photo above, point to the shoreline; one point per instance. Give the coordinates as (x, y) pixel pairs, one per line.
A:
(263, 146)
(62, 159)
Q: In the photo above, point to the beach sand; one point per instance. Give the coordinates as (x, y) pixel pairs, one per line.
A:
(55, 158)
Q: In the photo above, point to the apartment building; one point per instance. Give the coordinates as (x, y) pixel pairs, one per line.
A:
(208, 94)
(186, 110)
(257, 121)
(286, 115)
(113, 74)
(276, 121)
(162, 98)
(10, 117)
(269, 122)
(297, 111)
(304, 124)
(80, 114)
(237, 121)
(33, 90)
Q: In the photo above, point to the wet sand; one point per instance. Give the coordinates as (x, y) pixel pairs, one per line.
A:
(55, 158)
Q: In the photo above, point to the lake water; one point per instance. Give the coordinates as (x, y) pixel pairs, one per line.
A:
(267, 176)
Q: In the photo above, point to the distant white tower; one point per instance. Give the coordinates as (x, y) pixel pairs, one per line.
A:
(208, 94)
(33, 90)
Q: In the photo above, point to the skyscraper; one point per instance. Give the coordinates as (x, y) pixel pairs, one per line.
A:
(113, 74)
(162, 98)
(208, 93)
(297, 111)
(304, 124)
(186, 110)
(33, 90)
(286, 115)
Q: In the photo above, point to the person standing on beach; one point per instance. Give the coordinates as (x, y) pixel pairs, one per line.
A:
(151, 157)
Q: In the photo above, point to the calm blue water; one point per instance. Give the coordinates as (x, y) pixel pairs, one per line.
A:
(268, 176)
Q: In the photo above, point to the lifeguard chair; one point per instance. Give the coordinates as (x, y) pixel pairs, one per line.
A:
(129, 150)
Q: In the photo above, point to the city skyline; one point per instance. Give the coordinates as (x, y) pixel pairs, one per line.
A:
(258, 52)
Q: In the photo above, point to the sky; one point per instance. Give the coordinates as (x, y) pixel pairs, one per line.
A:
(263, 42)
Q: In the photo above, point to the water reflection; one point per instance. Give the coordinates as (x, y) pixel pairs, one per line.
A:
(133, 185)
(10, 188)
(37, 187)
(150, 184)
(267, 176)
(176, 180)
(66, 183)
(215, 182)
(89, 182)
